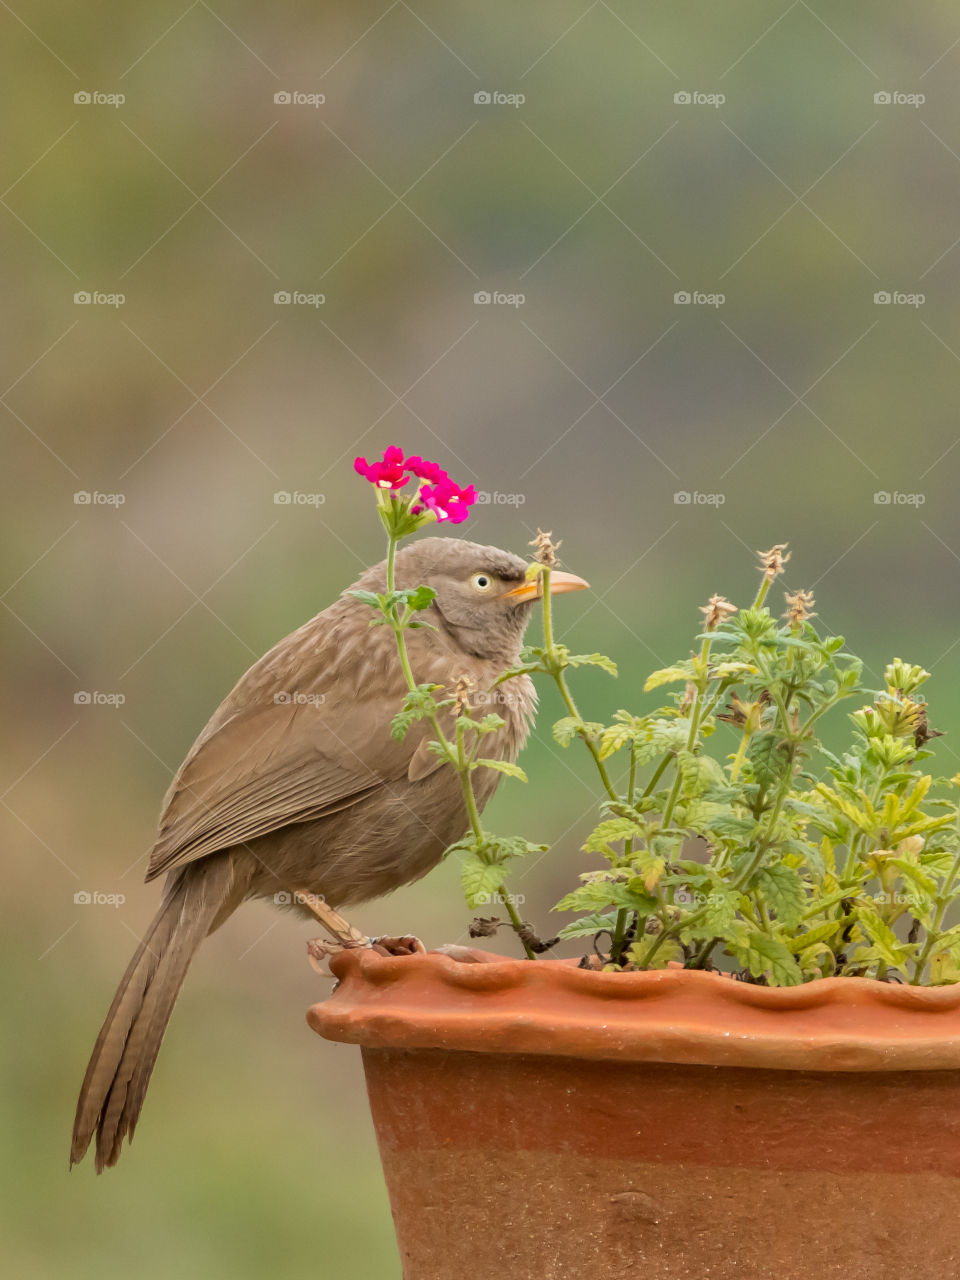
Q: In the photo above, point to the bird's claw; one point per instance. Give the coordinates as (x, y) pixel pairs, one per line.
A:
(408, 945)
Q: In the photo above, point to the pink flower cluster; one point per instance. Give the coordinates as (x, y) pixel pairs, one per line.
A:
(437, 493)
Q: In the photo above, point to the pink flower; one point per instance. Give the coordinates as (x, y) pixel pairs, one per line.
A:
(436, 494)
(426, 470)
(446, 500)
(389, 473)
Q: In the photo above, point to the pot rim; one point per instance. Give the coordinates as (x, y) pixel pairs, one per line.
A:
(501, 1005)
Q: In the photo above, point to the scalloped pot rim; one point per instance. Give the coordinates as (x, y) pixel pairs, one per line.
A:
(499, 1005)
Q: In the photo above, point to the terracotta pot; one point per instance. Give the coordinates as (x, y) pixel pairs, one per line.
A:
(538, 1120)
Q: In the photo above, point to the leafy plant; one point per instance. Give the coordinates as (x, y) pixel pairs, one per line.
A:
(765, 853)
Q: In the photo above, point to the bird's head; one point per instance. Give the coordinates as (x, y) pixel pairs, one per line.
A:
(484, 598)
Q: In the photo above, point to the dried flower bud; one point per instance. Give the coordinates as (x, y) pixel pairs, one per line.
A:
(715, 611)
(689, 697)
(800, 607)
(546, 553)
(462, 690)
(772, 561)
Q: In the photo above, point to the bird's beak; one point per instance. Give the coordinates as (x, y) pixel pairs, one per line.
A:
(533, 589)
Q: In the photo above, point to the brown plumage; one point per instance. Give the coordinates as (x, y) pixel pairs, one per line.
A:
(295, 783)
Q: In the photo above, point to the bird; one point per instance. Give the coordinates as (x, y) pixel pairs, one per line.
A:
(295, 783)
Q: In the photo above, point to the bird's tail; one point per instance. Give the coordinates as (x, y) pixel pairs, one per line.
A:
(196, 899)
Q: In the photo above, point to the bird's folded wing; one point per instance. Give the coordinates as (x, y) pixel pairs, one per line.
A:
(272, 765)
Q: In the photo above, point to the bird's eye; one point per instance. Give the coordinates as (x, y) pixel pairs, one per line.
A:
(482, 582)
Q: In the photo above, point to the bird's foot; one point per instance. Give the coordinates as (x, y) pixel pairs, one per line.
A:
(408, 945)
(320, 950)
(343, 933)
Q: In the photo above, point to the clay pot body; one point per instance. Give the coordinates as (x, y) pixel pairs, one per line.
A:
(537, 1120)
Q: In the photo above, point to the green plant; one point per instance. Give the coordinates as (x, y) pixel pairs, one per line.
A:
(765, 853)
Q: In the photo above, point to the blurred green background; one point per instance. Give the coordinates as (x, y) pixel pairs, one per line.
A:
(782, 412)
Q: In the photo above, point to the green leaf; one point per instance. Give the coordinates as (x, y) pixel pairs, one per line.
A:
(502, 766)
(667, 953)
(819, 933)
(650, 868)
(782, 888)
(885, 942)
(586, 926)
(610, 831)
(764, 957)
(731, 827)
(600, 895)
(504, 847)
(368, 597)
(724, 670)
(768, 758)
(716, 908)
(565, 730)
(592, 660)
(420, 598)
(669, 675)
(480, 880)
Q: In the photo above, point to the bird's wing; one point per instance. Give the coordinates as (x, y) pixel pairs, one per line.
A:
(268, 766)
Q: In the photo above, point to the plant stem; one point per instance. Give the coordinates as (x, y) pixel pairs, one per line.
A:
(943, 901)
(458, 752)
(692, 735)
(624, 914)
(560, 679)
